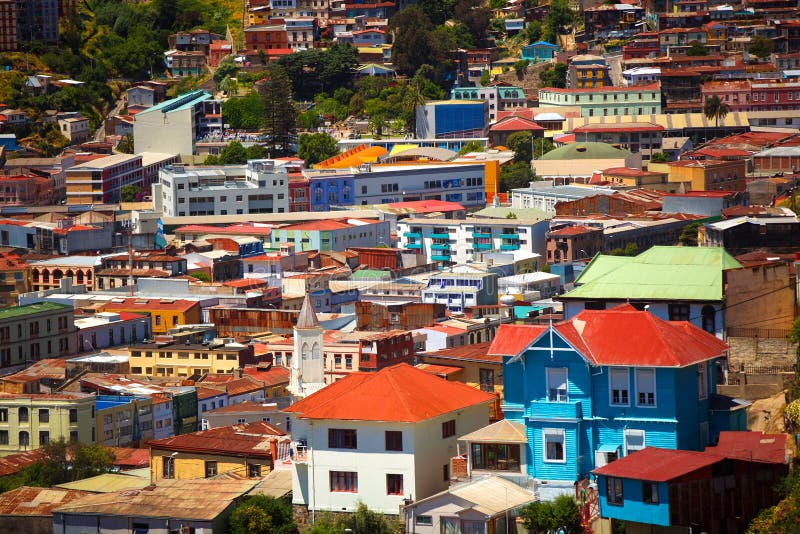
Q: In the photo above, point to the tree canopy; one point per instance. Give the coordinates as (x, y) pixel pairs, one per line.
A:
(761, 46)
(554, 75)
(550, 516)
(316, 70)
(316, 147)
(261, 514)
(234, 153)
(279, 112)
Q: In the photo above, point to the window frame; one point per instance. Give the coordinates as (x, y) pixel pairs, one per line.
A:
(349, 479)
(342, 438)
(211, 466)
(554, 432)
(548, 382)
(637, 381)
(392, 480)
(633, 432)
(653, 491)
(702, 381)
(448, 429)
(393, 440)
(619, 370)
(614, 499)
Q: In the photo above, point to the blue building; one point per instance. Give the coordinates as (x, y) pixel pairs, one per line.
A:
(606, 383)
(540, 51)
(447, 119)
(717, 491)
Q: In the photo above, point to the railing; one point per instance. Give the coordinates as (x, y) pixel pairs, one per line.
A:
(758, 332)
(300, 453)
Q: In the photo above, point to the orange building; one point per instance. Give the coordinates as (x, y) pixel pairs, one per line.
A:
(164, 313)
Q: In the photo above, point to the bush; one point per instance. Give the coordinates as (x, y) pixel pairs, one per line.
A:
(562, 513)
(261, 514)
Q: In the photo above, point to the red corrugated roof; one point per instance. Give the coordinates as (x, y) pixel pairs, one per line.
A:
(657, 465)
(399, 393)
(573, 230)
(127, 457)
(751, 446)
(438, 370)
(511, 339)
(251, 440)
(275, 376)
(515, 124)
(146, 305)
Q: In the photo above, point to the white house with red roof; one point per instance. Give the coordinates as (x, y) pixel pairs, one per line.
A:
(380, 438)
(605, 383)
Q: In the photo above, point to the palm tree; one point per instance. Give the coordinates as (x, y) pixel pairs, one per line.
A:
(413, 98)
(716, 109)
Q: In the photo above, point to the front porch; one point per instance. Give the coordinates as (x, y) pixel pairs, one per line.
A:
(497, 449)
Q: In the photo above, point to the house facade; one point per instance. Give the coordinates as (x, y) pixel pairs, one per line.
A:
(587, 396)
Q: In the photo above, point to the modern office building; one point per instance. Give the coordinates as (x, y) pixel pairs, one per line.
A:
(261, 186)
(99, 181)
(175, 125)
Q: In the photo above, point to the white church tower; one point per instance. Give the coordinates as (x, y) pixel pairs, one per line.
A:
(308, 364)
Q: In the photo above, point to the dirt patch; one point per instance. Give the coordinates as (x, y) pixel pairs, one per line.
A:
(766, 415)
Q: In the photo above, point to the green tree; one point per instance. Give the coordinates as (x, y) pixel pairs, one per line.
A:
(554, 75)
(716, 109)
(475, 16)
(486, 78)
(280, 114)
(243, 112)
(761, 46)
(201, 276)
(546, 516)
(415, 43)
(125, 144)
(438, 11)
(255, 152)
(521, 144)
(377, 111)
(127, 193)
(261, 514)
(471, 146)
(515, 175)
(697, 49)
(316, 147)
(542, 146)
(91, 460)
(559, 18)
(533, 32)
(660, 157)
(226, 68)
(688, 237)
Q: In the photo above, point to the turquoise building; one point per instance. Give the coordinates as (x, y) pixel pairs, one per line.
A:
(540, 51)
(606, 383)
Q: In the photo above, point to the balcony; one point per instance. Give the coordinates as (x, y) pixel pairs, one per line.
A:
(416, 235)
(440, 236)
(509, 246)
(481, 235)
(300, 452)
(440, 246)
(555, 410)
(414, 245)
(482, 246)
(509, 236)
(440, 257)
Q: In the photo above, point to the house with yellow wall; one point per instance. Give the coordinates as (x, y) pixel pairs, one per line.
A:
(164, 313)
(248, 450)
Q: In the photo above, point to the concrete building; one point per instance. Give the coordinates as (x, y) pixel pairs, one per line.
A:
(348, 448)
(99, 181)
(459, 291)
(35, 331)
(26, 190)
(185, 360)
(638, 137)
(606, 101)
(76, 129)
(107, 329)
(123, 420)
(461, 241)
(175, 125)
(261, 186)
(544, 195)
(710, 174)
(446, 119)
(499, 97)
(72, 270)
(31, 420)
(333, 234)
(8, 26)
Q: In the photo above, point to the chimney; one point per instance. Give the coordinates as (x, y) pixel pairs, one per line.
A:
(273, 448)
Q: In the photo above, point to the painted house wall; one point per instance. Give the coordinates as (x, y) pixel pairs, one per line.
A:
(588, 419)
(633, 507)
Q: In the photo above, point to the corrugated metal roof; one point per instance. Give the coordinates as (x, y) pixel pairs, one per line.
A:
(36, 502)
(109, 482)
(503, 431)
(489, 495)
(658, 465)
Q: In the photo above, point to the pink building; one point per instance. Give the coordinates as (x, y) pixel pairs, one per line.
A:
(734, 93)
(754, 95)
(25, 190)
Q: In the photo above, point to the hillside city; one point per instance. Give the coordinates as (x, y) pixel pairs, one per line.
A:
(399, 266)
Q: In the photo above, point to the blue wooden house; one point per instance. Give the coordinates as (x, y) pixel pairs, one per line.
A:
(540, 51)
(717, 491)
(606, 383)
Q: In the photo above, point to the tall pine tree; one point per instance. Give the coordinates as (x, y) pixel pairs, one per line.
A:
(280, 113)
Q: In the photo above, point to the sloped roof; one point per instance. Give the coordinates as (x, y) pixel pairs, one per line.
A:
(110, 482)
(511, 339)
(515, 124)
(751, 446)
(399, 393)
(503, 431)
(251, 440)
(660, 273)
(490, 495)
(36, 502)
(658, 465)
(308, 317)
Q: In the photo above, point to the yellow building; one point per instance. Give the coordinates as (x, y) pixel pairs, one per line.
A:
(164, 313)
(183, 360)
(30, 420)
(122, 420)
(246, 450)
(709, 175)
(649, 179)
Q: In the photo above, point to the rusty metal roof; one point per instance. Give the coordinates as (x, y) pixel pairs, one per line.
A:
(28, 501)
(251, 440)
(190, 500)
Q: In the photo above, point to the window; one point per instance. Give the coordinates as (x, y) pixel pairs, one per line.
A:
(24, 439)
(634, 441)
(425, 520)
(44, 416)
(168, 466)
(449, 428)
(678, 312)
(650, 492)
(557, 384)
(620, 387)
(253, 470)
(44, 437)
(394, 484)
(554, 441)
(3, 437)
(709, 319)
(3, 415)
(702, 381)
(446, 472)
(211, 469)
(394, 440)
(487, 380)
(344, 481)
(23, 415)
(73, 436)
(342, 438)
(645, 387)
(614, 491)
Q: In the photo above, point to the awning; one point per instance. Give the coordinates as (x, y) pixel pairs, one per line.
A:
(608, 448)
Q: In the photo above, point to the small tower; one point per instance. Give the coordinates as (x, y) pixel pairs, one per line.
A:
(308, 364)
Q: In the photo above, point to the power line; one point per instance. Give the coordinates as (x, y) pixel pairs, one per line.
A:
(729, 306)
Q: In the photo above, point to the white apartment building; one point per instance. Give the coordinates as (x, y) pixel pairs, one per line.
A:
(460, 241)
(349, 449)
(261, 186)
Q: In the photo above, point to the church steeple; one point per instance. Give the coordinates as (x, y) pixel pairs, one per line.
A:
(308, 316)
(307, 373)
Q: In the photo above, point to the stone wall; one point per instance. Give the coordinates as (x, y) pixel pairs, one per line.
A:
(760, 352)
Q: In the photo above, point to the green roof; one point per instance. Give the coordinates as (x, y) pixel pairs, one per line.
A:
(371, 274)
(31, 309)
(178, 103)
(581, 150)
(660, 273)
(500, 212)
